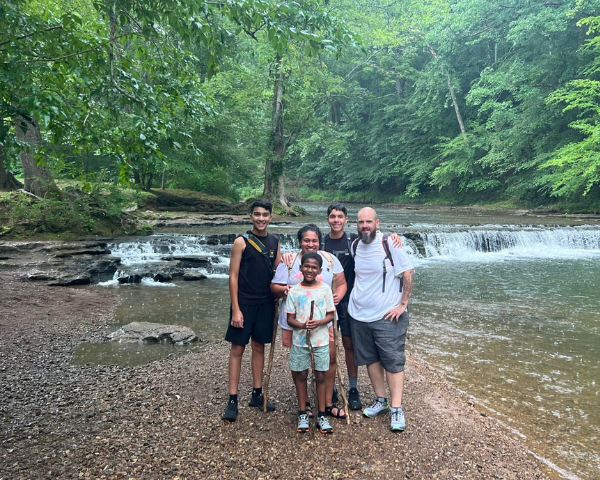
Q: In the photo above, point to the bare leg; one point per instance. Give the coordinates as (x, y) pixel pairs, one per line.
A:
(258, 363)
(301, 388)
(396, 384)
(375, 371)
(320, 378)
(235, 367)
(349, 351)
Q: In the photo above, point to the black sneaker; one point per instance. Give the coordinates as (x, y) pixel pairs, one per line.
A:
(258, 403)
(335, 397)
(354, 402)
(230, 412)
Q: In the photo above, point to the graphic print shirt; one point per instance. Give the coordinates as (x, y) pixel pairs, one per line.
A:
(298, 302)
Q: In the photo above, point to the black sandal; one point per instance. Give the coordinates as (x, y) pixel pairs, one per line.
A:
(308, 410)
(329, 411)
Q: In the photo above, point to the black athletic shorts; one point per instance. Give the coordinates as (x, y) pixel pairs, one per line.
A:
(343, 318)
(258, 324)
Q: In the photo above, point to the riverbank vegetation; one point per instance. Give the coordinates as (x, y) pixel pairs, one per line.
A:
(446, 101)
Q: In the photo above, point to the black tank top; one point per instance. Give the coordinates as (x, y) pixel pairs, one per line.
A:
(254, 281)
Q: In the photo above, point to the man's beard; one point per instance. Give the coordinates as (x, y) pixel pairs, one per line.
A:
(368, 238)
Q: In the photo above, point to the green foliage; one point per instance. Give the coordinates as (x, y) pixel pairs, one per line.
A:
(93, 209)
(180, 95)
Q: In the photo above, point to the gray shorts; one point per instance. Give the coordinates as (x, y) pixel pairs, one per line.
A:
(380, 341)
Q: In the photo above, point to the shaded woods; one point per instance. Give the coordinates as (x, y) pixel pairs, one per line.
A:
(446, 101)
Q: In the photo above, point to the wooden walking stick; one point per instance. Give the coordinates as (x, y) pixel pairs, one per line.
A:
(336, 342)
(271, 353)
(312, 352)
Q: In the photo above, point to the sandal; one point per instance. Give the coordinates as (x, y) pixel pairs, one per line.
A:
(308, 410)
(335, 411)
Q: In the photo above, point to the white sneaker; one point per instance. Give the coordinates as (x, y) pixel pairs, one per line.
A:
(397, 424)
(303, 425)
(376, 408)
(324, 425)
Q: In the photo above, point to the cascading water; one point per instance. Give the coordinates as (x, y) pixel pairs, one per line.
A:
(530, 243)
(148, 255)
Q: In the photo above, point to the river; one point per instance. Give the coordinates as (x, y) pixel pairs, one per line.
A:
(505, 307)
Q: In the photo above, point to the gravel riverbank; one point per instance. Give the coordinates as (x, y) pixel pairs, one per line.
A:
(162, 420)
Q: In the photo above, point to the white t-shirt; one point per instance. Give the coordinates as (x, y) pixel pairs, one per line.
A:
(368, 301)
(295, 276)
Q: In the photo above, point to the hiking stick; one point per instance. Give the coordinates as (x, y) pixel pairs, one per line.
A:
(312, 353)
(271, 353)
(336, 342)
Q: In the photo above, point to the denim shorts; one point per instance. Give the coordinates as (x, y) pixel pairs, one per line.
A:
(300, 358)
(381, 341)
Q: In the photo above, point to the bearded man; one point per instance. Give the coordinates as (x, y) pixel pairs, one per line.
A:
(379, 316)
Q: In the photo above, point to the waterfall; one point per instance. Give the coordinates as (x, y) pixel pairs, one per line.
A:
(525, 242)
(210, 253)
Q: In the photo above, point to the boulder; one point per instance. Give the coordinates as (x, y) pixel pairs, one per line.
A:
(132, 278)
(193, 275)
(68, 280)
(163, 277)
(189, 261)
(146, 332)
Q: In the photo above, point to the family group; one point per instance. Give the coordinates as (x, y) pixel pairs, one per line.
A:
(364, 278)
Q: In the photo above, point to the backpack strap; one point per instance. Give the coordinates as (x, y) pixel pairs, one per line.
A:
(348, 241)
(290, 266)
(388, 255)
(386, 248)
(329, 257)
(322, 243)
(354, 246)
(259, 246)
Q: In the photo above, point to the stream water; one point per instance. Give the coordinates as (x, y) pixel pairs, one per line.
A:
(505, 307)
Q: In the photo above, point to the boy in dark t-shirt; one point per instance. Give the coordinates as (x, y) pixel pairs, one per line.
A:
(254, 256)
(339, 243)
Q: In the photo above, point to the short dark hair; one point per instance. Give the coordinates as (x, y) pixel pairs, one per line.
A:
(314, 256)
(337, 206)
(311, 227)
(263, 203)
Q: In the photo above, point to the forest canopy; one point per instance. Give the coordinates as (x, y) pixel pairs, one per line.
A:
(438, 101)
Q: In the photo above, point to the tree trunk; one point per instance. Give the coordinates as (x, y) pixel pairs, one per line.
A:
(38, 179)
(461, 124)
(274, 178)
(399, 91)
(7, 179)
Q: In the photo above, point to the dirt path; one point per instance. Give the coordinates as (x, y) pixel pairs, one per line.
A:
(162, 420)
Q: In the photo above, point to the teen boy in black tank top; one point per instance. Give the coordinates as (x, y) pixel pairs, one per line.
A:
(254, 256)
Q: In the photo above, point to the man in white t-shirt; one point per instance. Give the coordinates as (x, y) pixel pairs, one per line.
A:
(378, 308)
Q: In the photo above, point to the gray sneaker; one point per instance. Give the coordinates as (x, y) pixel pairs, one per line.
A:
(397, 424)
(376, 408)
(303, 425)
(324, 425)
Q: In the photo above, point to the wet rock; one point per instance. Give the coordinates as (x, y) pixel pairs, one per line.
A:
(41, 276)
(163, 277)
(146, 332)
(189, 261)
(68, 280)
(133, 278)
(102, 270)
(193, 275)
